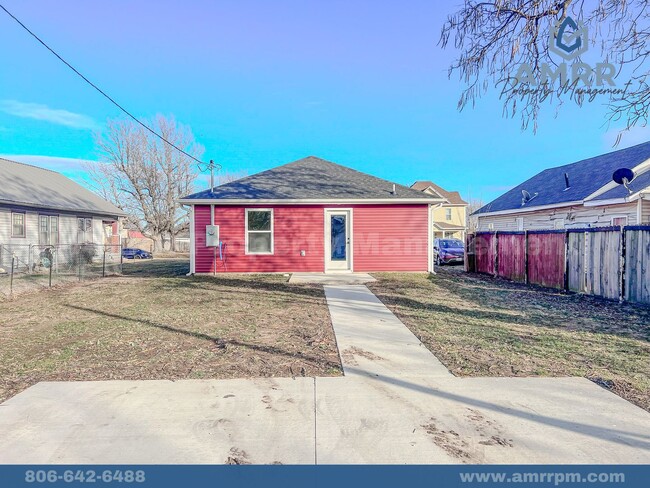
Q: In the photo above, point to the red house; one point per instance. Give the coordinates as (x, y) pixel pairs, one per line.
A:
(312, 216)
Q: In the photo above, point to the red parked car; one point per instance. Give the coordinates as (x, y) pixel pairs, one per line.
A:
(448, 251)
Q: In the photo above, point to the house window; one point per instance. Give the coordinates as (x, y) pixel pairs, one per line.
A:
(259, 231)
(559, 223)
(48, 230)
(17, 224)
(619, 221)
(491, 226)
(447, 214)
(84, 230)
(520, 223)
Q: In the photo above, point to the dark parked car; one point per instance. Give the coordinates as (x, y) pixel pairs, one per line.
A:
(133, 253)
(448, 251)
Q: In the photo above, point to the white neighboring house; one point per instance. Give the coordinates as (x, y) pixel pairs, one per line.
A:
(577, 195)
(40, 207)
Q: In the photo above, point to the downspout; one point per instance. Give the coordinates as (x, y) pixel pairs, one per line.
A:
(214, 250)
(430, 237)
(192, 243)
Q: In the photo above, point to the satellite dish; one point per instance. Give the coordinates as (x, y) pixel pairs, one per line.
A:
(527, 197)
(623, 176)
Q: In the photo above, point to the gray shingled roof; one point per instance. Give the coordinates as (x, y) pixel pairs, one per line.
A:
(26, 185)
(585, 177)
(310, 178)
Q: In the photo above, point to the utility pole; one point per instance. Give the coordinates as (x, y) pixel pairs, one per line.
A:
(211, 166)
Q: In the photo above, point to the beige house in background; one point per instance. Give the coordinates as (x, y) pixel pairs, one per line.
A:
(449, 217)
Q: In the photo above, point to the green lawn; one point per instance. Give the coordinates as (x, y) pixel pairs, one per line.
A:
(480, 326)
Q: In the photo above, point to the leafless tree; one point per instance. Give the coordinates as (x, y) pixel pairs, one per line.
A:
(145, 177)
(473, 205)
(495, 37)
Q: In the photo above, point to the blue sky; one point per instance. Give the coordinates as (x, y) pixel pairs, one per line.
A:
(362, 83)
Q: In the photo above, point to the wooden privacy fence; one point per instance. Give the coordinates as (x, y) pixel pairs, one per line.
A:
(611, 262)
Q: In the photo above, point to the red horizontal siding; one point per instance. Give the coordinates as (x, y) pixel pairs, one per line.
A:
(385, 238)
(390, 238)
(296, 228)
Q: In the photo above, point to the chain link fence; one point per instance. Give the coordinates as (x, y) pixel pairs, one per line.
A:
(29, 267)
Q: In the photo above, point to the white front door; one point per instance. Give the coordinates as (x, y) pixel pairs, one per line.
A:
(338, 249)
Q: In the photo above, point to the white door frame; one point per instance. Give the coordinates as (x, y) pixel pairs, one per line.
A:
(347, 265)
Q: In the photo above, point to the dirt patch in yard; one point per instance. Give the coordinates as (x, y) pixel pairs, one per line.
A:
(481, 326)
(157, 323)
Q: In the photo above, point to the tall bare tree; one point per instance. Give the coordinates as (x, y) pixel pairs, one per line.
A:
(494, 37)
(473, 205)
(145, 177)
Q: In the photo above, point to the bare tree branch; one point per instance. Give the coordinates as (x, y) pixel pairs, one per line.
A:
(495, 37)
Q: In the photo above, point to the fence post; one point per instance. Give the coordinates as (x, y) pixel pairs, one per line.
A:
(119, 249)
(104, 264)
(566, 260)
(526, 256)
(585, 262)
(11, 278)
(622, 265)
(496, 253)
(29, 259)
(79, 265)
(51, 266)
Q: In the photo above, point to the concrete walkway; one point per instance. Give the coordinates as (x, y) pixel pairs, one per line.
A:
(396, 404)
(372, 341)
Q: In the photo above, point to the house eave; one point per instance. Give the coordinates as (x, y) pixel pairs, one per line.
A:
(609, 201)
(614, 201)
(36, 206)
(529, 209)
(320, 201)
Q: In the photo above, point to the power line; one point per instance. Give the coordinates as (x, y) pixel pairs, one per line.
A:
(102, 91)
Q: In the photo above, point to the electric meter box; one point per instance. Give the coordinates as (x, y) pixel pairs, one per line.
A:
(211, 236)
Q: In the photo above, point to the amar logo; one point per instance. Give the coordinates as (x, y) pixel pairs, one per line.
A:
(569, 39)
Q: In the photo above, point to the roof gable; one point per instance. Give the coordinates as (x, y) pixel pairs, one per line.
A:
(310, 178)
(31, 186)
(585, 178)
(453, 197)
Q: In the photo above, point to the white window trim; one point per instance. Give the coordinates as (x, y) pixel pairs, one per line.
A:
(246, 232)
(24, 234)
(92, 230)
(49, 218)
(519, 221)
(611, 220)
(448, 214)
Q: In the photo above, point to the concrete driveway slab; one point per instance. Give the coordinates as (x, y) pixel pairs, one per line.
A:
(259, 421)
(476, 420)
(331, 278)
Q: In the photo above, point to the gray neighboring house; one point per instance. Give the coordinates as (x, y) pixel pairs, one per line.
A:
(40, 207)
(577, 195)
